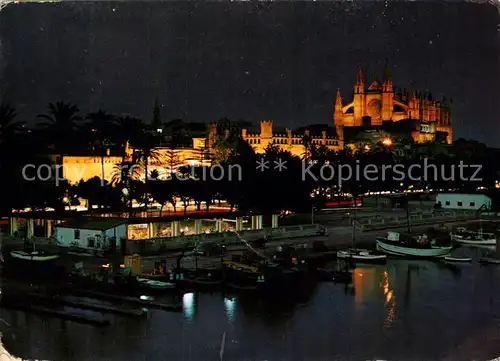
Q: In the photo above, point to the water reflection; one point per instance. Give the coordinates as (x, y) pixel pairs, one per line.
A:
(365, 280)
(188, 304)
(390, 300)
(392, 311)
(229, 306)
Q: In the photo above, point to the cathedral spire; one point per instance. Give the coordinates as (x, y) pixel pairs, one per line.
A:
(360, 80)
(387, 70)
(387, 82)
(338, 100)
(337, 111)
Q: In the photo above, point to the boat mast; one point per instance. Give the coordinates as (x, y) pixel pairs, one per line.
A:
(408, 213)
(354, 222)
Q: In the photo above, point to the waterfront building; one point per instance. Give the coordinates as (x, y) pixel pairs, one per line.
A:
(381, 105)
(471, 201)
(91, 233)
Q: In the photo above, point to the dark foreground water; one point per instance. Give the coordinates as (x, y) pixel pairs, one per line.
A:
(406, 310)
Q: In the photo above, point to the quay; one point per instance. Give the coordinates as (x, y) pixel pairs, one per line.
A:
(69, 316)
(132, 300)
(86, 305)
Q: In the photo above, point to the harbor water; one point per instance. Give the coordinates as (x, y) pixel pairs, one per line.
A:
(404, 310)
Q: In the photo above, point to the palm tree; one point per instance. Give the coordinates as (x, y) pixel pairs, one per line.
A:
(62, 122)
(128, 131)
(100, 130)
(146, 149)
(9, 127)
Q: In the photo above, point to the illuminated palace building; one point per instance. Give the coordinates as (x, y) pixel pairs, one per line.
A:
(379, 108)
(285, 138)
(375, 114)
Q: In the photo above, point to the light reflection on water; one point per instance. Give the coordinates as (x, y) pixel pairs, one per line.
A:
(229, 306)
(188, 305)
(403, 311)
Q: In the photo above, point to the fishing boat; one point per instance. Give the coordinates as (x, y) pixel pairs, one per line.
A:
(362, 256)
(465, 236)
(457, 259)
(33, 264)
(420, 246)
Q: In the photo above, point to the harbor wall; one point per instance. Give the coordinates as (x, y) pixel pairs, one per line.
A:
(154, 245)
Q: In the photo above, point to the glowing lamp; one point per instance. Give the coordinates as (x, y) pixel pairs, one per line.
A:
(387, 142)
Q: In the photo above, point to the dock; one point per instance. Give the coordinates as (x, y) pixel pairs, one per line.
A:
(91, 320)
(132, 300)
(87, 305)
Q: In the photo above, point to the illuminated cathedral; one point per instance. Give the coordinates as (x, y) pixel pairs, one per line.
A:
(380, 103)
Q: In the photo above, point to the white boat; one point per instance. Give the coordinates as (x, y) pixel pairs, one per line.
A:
(457, 259)
(465, 236)
(357, 254)
(38, 256)
(425, 249)
(148, 283)
(362, 256)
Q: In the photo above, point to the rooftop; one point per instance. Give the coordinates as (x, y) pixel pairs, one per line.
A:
(98, 224)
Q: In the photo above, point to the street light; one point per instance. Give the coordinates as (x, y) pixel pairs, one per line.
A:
(387, 142)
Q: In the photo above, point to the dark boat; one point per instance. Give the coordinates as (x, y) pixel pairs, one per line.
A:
(32, 264)
(200, 280)
(341, 271)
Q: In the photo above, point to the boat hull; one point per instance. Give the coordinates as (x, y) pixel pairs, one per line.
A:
(458, 259)
(487, 260)
(362, 258)
(396, 250)
(479, 242)
(33, 270)
(24, 256)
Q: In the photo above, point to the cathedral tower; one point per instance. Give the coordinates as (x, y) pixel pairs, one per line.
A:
(387, 94)
(381, 102)
(337, 110)
(338, 116)
(359, 97)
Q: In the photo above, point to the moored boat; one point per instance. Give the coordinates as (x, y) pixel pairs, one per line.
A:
(465, 236)
(362, 256)
(489, 260)
(419, 247)
(457, 259)
(33, 264)
(37, 256)
(150, 284)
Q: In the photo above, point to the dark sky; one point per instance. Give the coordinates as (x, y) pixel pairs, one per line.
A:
(278, 61)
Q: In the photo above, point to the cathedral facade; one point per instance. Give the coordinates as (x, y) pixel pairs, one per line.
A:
(380, 102)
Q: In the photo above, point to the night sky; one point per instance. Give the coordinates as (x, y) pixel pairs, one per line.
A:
(278, 61)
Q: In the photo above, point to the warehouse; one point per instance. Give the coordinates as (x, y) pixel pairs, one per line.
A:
(100, 233)
(470, 201)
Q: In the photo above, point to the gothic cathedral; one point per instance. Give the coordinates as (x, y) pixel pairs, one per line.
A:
(380, 102)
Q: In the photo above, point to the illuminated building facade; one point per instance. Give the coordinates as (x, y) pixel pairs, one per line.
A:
(294, 142)
(380, 103)
(76, 168)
